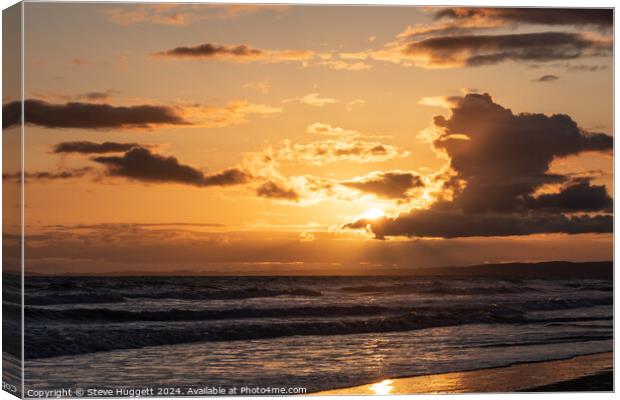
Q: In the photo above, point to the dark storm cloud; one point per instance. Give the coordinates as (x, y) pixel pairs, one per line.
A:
(391, 185)
(85, 147)
(575, 196)
(210, 50)
(547, 78)
(452, 224)
(499, 159)
(478, 50)
(275, 190)
(142, 165)
(602, 18)
(90, 115)
(502, 144)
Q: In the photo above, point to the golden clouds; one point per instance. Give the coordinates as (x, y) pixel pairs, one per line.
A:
(325, 129)
(182, 14)
(312, 99)
(234, 113)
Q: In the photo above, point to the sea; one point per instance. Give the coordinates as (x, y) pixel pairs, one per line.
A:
(313, 333)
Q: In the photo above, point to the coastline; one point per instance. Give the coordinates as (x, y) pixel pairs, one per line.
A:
(592, 372)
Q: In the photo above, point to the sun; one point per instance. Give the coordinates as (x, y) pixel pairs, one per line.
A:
(373, 213)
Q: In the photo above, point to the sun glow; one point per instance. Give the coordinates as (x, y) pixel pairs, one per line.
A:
(382, 388)
(373, 213)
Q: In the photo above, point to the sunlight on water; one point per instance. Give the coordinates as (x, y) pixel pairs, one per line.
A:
(383, 387)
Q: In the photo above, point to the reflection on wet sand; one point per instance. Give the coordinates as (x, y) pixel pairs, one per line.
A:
(514, 378)
(383, 387)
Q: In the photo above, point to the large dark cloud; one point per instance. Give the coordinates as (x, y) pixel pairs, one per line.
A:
(390, 185)
(85, 147)
(499, 160)
(142, 165)
(452, 224)
(89, 115)
(501, 144)
(598, 17)
(477, 50)
(575, 196)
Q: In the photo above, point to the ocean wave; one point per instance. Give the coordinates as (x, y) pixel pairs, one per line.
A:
(47, 340)
(436, 288)
(108, 315)
(98, 297)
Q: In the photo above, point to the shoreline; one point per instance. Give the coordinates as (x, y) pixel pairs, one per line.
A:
(592, 372)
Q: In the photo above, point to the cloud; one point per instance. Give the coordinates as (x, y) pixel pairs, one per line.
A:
(98, 96)
(389, 185)
(85, 147)
(577, 195)
(547, 78)
(479, 50)
(312, 99)
(601, 18)
(234, 113)
(318, 128)
(183, 14)
(49, 176)
(143, 165)
(90, 115)
(341, 149)
(78, 62)
(497, 162)
(355, 103)
(470, 37)
(262, 86)
(277, 190)
(237, 53)
(453, 224)
(342, 65)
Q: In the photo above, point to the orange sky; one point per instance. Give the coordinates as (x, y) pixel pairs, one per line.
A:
(261, 139)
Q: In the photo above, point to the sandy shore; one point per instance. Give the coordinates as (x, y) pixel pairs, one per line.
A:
(582, 373)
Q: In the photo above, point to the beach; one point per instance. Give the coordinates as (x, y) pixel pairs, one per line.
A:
(583, 373)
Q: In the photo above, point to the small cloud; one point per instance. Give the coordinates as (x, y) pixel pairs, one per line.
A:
(262, 86)
(345, 148)
(312, 99)
(325, 129)
(547, 78)
(391, 185)
(435, 101)
(307, 236)
(78, 61)
(355, 103)
(345, 66)
(237, 53)
(183, 14)
(277, 190)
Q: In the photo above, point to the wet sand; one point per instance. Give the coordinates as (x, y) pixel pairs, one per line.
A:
(582, 373)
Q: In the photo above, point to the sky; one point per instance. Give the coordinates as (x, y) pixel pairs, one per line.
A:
(263, 139)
